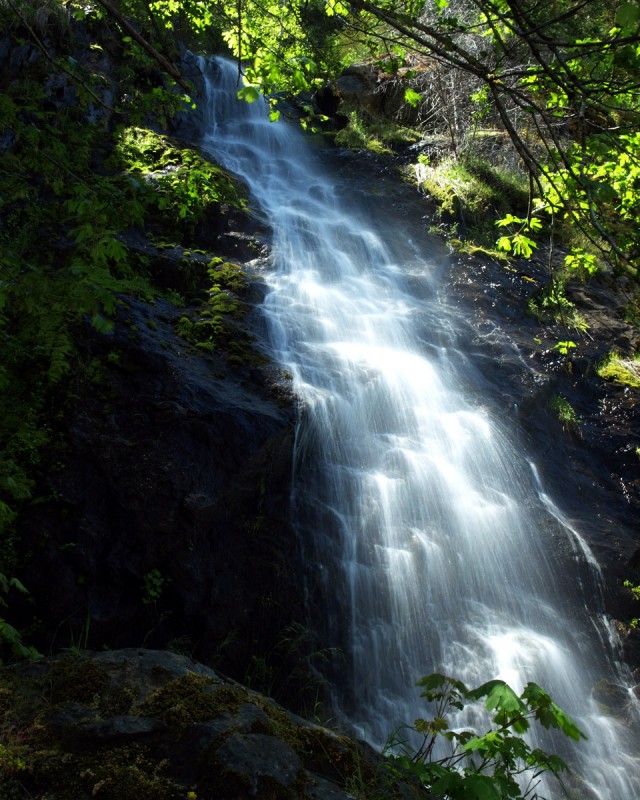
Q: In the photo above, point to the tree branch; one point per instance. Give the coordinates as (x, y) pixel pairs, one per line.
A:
(164, 62)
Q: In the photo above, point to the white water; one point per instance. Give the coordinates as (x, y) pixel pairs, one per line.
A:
(431, 543)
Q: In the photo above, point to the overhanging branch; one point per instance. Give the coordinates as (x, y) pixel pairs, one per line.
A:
(163, 61)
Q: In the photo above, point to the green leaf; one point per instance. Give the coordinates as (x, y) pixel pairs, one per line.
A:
(481, 787)
(438, 686)
(101, 324)
(18, 585)
(523, 245)
(431, 727)
(508, 220)
(628, 15)
(548, 713)
(448, 784)
(412, 97)
(333, 7)
(500, 697)
(248, 93)
(434, 681)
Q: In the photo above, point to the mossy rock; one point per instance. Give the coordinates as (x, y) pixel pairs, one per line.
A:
(78, 680)
(192, 699)
(140, 725)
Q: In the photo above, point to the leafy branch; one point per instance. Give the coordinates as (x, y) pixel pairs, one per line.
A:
(491, 766)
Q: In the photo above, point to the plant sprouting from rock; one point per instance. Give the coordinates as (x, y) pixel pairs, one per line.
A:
(465, 765)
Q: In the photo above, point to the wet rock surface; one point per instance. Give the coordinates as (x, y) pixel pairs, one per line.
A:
(166, 520)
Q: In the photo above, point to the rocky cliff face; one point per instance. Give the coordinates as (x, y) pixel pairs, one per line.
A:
(168, 516)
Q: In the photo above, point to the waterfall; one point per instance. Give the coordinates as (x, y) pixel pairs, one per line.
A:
(430, 540)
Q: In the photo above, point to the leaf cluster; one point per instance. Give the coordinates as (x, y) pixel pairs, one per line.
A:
(496, 765)
(635, 592)
(175, 181)
(11, 638)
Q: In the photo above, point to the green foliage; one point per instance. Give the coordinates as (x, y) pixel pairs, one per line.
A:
(356, 137)
(378, 135)
(551, 304)
(561, 84)
(472, 192)
(176, 181)
(152, 586)
(564, 412)
(623, 371)
(518, 241)
(565, 94)
(69, 187)
(492, 766)
(9, 636)
(564, 347)
(635, 591)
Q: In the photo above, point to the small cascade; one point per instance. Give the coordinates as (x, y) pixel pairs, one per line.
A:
(431, 542)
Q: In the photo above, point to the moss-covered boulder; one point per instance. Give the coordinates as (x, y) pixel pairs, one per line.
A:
(152, 725)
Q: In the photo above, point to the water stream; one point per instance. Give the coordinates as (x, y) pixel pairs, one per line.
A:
(431, 541)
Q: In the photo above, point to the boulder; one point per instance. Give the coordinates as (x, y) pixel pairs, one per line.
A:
(160, 726)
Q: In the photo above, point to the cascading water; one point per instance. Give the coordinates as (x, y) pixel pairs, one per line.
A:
(429, 537)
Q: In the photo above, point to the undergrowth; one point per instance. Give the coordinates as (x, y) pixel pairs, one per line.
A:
(471, 194)
(377, 134)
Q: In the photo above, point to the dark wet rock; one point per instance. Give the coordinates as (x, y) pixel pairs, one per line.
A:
(367, 87)
(126, 727)
(21, 57)
(254, 759)
(614, 700)
(72, 714)
(168, 521)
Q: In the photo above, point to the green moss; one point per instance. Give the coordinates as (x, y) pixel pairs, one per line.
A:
(192, 698)
(35, 756)
(471, 195)
(116, 773)
(470, 188)
(178, 181)
(623, 371)
(78, 680)
(214, 327)
(472, 249)
(227, 275)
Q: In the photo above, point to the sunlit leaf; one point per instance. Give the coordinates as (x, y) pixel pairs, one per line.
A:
(248, 93)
